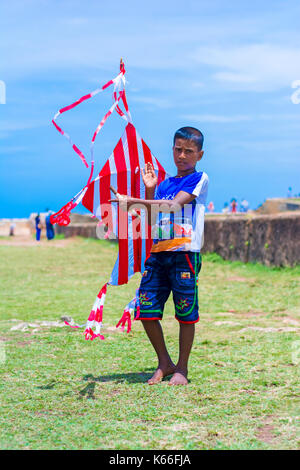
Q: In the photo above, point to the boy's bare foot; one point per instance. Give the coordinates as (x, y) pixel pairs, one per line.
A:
(161, 372)
(179, 378)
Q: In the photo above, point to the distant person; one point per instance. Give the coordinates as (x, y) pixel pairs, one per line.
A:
(289, 193)
(233, 206)
(211, 207)
(49, 227)
(244, 205)
(12, 229)
(225, 209)
(38, 227)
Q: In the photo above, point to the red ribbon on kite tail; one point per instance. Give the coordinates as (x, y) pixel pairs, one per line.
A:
(62, 217)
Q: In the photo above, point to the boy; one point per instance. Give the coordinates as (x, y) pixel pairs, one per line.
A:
(175, 261)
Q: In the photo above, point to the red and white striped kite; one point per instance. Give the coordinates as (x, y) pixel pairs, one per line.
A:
(123, 171)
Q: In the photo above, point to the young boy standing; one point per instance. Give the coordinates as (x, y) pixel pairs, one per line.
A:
(175, 261)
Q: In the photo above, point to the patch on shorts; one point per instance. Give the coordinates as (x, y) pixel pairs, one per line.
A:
(144, 300)
(182, 303)
(185, 275)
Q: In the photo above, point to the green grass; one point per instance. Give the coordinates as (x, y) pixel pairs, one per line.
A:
(60, 236)
(61, 392)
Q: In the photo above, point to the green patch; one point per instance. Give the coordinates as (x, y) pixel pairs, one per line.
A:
(60, 236)
(182, 304)
(144, 299)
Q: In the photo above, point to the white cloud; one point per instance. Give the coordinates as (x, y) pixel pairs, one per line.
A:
(278, 117)
(5, 150)
(260, 67)
(11, 126)
(261, 146)
(76, 21)
(216, 118)
(162, 103)
(198, 85)
(234, 77)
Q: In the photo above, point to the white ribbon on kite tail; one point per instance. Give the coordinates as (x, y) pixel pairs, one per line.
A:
(62, 216)
(95, 317)
(116, 82)
(104, 119)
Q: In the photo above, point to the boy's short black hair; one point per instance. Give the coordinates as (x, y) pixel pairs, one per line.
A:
(190, 133)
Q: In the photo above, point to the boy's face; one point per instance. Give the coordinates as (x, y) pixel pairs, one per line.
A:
(186, 155)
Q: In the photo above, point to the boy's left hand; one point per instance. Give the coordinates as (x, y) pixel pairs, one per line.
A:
(120, 198)
(124, 201)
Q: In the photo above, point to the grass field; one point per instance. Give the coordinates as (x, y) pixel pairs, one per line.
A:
(61, 392)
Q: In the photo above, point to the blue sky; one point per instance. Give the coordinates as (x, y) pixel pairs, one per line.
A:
(224, 67)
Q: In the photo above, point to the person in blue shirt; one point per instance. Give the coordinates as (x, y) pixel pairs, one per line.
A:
(176, 212)
(38, 228)
(244, 205)
(49, 227)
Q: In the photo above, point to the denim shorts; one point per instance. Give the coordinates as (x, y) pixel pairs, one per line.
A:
(165, 272)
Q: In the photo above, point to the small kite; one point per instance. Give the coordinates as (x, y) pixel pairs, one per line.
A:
(122, 170)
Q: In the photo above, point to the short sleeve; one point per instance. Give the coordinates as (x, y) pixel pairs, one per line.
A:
(195, 183)
(201, 186)
(158, 192)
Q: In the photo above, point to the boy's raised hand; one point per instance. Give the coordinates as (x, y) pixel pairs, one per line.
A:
(149, 176)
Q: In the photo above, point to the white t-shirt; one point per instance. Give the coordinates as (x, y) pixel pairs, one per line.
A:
(182, 230)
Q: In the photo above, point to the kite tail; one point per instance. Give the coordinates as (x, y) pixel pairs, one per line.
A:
(126, 318)
(128, 311)
(62, 217)
(96, 316)
(74, 326)
(137, 304)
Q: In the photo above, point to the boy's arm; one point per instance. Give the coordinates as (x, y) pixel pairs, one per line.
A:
(164, 205)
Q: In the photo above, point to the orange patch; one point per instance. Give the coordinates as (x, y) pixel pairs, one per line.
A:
(185, 275)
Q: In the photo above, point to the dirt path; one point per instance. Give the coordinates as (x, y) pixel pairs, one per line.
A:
(28, 241)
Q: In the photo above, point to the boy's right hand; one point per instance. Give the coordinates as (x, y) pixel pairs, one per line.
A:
(149, 176)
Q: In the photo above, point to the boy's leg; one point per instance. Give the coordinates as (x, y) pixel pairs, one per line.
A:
(165, 365)
(185, 296)
(153, 293)
(186, 338)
